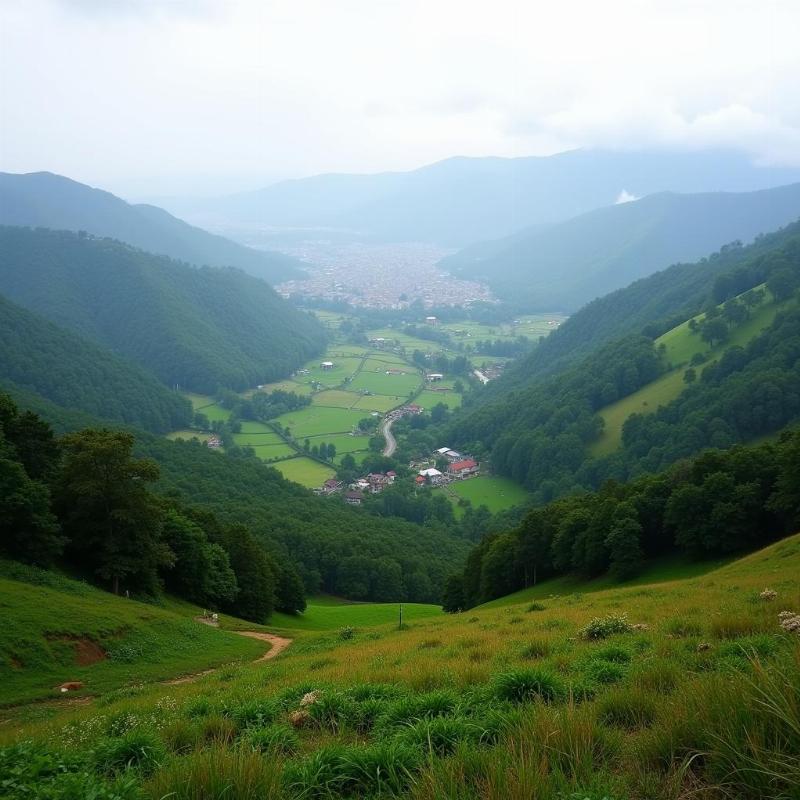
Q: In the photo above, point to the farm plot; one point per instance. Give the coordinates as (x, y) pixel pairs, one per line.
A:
(305, 471)
(188, 435)
(378, 402)
(344, 443)
(318, 420)
(215, 412)
(335, 398)
(393, 385)
(496, 493)
(429, 399)
(342, 369)
(287, 386)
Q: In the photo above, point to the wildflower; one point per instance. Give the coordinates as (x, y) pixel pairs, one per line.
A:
(768, 594)
(309, 699)
(789, 621)
(299, 718)
(641, 626)
(703, 646)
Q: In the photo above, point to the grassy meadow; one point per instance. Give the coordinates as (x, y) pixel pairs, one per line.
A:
(494, 492)
(305, 471)
(687, 687)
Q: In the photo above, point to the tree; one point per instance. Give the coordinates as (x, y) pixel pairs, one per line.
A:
(690, 376)
(624, 543)
(453, 594)
(113, 521)
(714, 330)
(782, 283)
(254, 575)
(289, 592)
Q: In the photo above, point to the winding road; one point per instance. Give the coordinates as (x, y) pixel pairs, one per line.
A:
(391, 442)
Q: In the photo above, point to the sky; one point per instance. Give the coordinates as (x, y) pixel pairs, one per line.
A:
(155, 98)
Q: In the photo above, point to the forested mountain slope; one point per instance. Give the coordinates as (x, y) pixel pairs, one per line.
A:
(200, 328)
(567, 265)
(540, 433)
(652, 305)
(463, 200)
(41, 199)
(76, 373)
(336, 548)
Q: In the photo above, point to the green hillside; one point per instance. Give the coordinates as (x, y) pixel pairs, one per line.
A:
(197, 328)
(75, 373)
(44, 200)
(59, 630)
(618, 693)
(680, 344)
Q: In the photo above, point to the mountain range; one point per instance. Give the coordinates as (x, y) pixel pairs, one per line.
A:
(461, 201)
(45, 200)
(566, 265)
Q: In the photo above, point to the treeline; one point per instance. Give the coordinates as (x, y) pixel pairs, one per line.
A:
(84, 501)
(76, 373)
(720, 503)
(199, 328)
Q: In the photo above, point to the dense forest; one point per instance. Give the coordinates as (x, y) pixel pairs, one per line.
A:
(720, 503)
(85, 502)
(335, 548)
(76, 373)
(200, 328)
(44, 200)
(539, 433)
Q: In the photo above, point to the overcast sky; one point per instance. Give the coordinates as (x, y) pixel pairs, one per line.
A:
(159, 97)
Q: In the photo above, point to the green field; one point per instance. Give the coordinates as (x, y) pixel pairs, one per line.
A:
(428, 399)
(333, 615)
(533, 326)
(378, 402)
(496, 493)
(318, 420)
(392, 385)
(287, 386)
(344, 443)
(335, 398)
(305, 471)
(342, 369)
(680, 684)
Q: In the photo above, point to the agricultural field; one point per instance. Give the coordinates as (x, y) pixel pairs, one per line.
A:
(335, 398)
(683, 687)
(398, 386)
(494, 492)
(319, 420)
(533, 326)
(428, 399)
(305, 471)
(332, 616)
(188, 434)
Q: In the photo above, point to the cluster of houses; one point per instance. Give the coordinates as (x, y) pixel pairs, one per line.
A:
(214, 442)
(374, 483)
(458, 468)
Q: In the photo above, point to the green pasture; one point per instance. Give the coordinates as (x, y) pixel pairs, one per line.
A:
(198, 401)
(381, 383)
(215, 412)
(305, 471)
(428, 399)
(343, 443)
(316, 420)
(287, 386)
(494, 492)
(379, 402)
(342, 369)
(328, 616)
(410, 343)
(335, 398)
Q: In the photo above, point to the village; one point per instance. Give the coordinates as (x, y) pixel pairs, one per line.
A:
(455, 467)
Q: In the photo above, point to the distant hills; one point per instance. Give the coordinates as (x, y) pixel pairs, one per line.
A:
(201, 328)
(41, 199)
(460, 201)
(569, 264)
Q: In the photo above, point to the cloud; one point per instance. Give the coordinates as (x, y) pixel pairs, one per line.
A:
(625, 197)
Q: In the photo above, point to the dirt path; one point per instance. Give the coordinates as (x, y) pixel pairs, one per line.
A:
(391, 443)
(279, 644)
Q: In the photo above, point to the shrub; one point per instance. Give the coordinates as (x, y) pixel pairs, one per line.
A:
(218, 774)
(603, 627)
(536, 648)
(629, 708)
(346, 633)
(536, 607)
(526, 685)
(136, 749)
(273, 739)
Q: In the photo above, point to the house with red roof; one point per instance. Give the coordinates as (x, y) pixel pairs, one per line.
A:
(463, 469)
